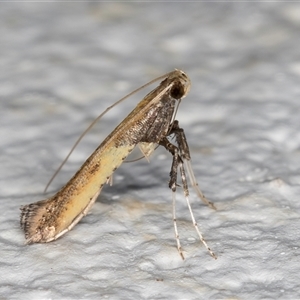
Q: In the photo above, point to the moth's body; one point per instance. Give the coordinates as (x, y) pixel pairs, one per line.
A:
(46, 220)
(147, 125)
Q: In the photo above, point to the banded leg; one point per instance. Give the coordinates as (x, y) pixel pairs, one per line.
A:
(179, 162)
(172, 185)
(186, 157)
(186, 195)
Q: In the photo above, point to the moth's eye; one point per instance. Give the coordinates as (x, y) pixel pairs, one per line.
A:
(177, 91)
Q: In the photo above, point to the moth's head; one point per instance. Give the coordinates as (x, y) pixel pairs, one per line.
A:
(181, 84)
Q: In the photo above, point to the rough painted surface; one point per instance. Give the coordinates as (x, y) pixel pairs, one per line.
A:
(62, 64)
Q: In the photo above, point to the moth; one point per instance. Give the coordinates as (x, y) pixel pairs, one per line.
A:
(151, 124)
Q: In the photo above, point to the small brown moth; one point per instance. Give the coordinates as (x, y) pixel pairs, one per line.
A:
(150, 124)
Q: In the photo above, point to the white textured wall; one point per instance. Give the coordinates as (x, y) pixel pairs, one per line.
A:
(63, 63)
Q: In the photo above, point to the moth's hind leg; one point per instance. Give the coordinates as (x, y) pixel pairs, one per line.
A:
(178, 161)
(186, 195)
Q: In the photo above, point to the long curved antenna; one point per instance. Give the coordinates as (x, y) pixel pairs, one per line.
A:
(96, 120)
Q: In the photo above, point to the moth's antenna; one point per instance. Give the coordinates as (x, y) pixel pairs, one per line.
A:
(96, 120)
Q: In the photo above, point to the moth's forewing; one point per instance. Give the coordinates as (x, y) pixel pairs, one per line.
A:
(46, 220)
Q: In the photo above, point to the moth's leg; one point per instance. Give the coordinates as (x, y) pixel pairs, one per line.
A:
(178, 162)
(186, 157)
(176, 158)
(172, 185)
(175, 225)
(186, 195)
(180, 139)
